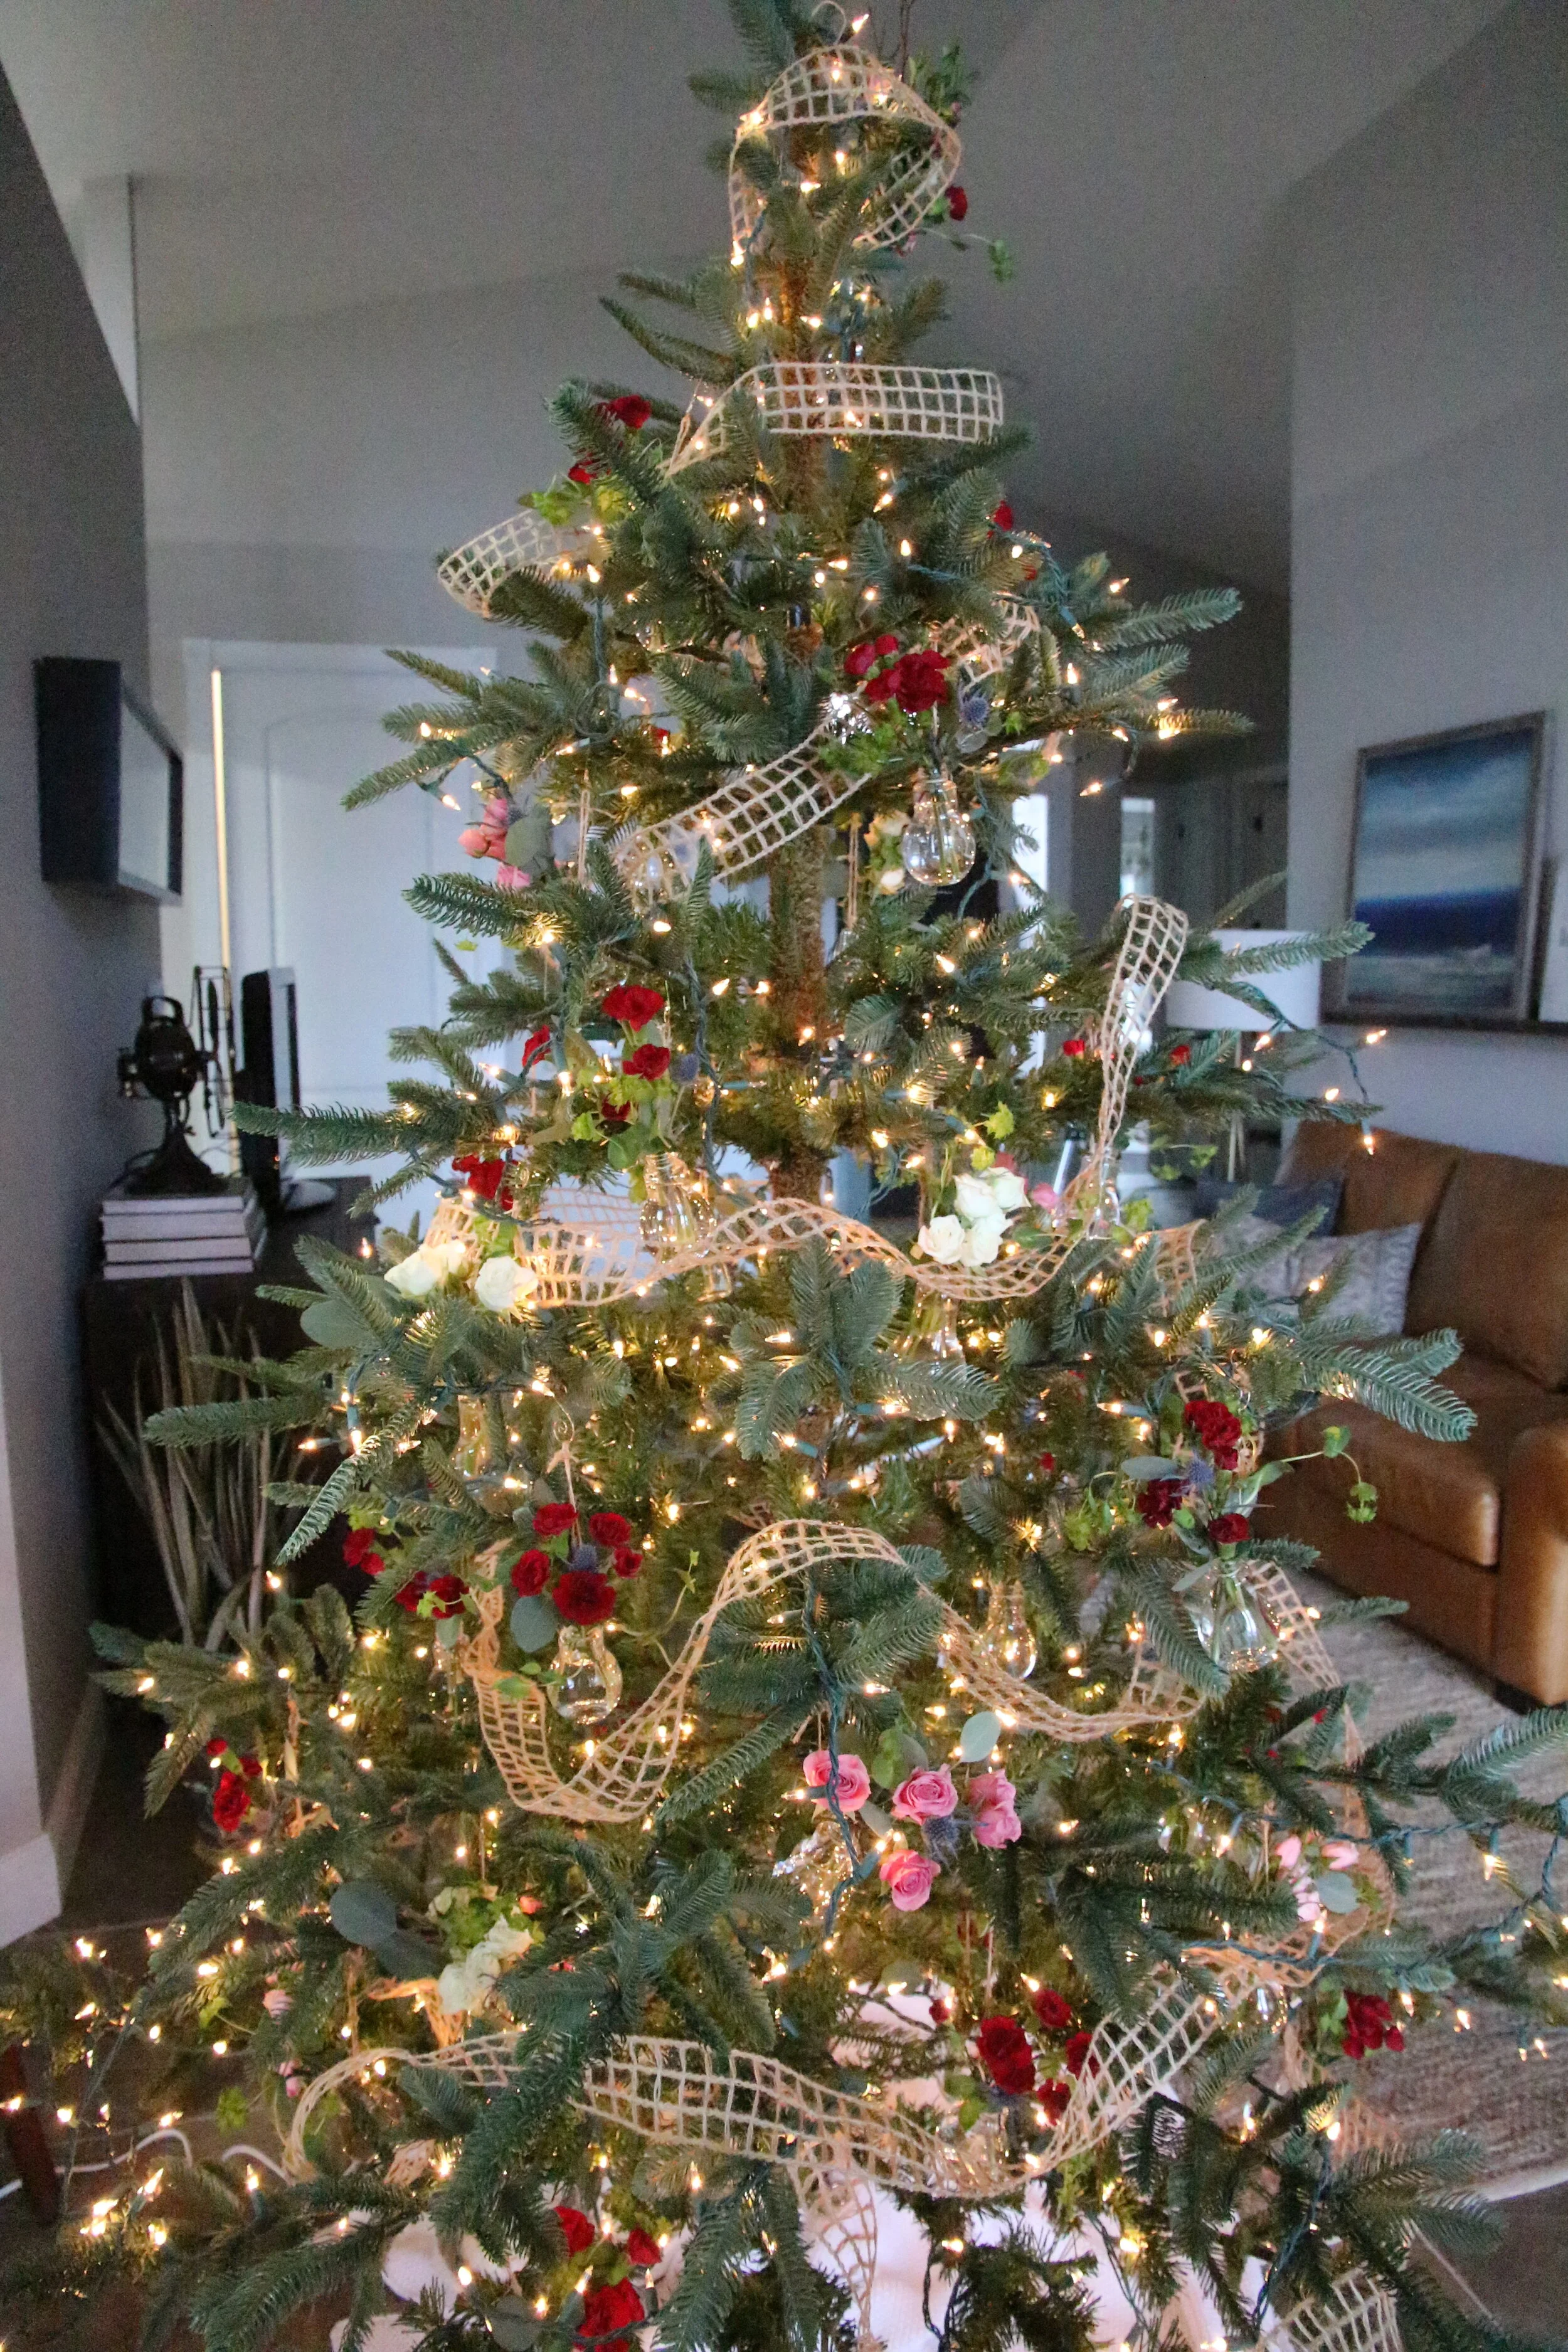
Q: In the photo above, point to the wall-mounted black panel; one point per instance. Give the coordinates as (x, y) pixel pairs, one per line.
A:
(110, 783)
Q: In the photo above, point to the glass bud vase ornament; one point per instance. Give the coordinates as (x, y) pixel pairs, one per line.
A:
(818, 1865)
(589, 1688)
(677, 1216)
(932, 1336)
(479, 1456)
(938, 842)
(1007, 1635)
(1244, 1636)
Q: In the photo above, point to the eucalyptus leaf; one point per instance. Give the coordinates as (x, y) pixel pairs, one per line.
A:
(1337, 1892)
(1141, 1467)
(979, 1735)
(535, 1622)
(363, 1912)
(408, 1957)
(330, 1324)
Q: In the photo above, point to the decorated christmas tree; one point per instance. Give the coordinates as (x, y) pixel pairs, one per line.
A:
(823, 1724)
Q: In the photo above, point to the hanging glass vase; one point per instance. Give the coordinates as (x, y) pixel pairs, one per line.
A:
(481, 1456)
(589, 1688)
(938, 842)
(933, 1335)
(1007, 1635)
(818, 1865)
(1244, 1636)
(677, 1216)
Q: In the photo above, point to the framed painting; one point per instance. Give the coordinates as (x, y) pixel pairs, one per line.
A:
(1445, 862)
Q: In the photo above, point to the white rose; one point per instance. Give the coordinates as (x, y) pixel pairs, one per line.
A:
(1008, 1191)
(416, 1276)
(447, 1256)
(942, 1240)
(972, 1194)
(500, 1283)
(982, 1242)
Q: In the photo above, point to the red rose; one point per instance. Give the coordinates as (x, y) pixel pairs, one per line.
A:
(553, 1519)
(218, 1747)
(1215, 1427)
(584, 1596)
(634, 1005)
(1075, 1047)
(1002, 516)
(921, 680)
(609, 1528)
(251, 1767)
(628, 409)
(611, 2311)
(579, 472)
(647, 1062)
(628, 1559)
(358, 1544)
(408, 1598)
(1158, 1500)
(614, 1114)
(575, 2228)
(957, 203)
(535, 1045)
(1005, 2054)
(1054, 2097)
(531, 1574)
(1075, 2051)
(642, 2249)
(1053, 2009)
(1231, 1526)
(447, 1592)
(231, 1802)
(1180, 1053)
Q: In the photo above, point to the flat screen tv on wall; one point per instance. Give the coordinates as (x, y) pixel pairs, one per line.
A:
(111, 782)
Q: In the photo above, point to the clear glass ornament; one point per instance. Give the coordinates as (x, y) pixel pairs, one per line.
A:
(678, 1216)
(481, 1457)
(938, 842)
(590, 1684)
(818, 1865)
(1244, 1635)
(1007, 1635)
(932, 1336)
(652, 874)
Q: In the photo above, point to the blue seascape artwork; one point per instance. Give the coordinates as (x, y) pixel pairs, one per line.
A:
(1442, 862)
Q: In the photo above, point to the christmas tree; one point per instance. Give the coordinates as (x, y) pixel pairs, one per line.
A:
(822, 1723)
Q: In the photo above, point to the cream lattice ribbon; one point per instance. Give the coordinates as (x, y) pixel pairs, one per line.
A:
(474, 571)
(842, 400)
(847, 84)
(755, 812)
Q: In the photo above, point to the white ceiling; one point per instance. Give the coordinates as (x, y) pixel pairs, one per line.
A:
(297, 157)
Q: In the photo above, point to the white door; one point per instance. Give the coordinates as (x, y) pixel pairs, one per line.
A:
(310, 884)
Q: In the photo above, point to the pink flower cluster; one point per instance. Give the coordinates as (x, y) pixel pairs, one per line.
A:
(487, 839)
(1339, 1853)
(994, 1806)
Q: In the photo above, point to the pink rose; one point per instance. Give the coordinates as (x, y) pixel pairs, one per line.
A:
(926, 1797)
(851, 1782)
(512, 877)
(908, 1878)
(1340, 1854)
(475, 840)
(991, 1799)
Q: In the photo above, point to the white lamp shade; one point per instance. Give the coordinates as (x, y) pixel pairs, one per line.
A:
(1294, 990)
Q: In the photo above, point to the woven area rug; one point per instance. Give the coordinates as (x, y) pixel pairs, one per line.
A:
(1477, 2080)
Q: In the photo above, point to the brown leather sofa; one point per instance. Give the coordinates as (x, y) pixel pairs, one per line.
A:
(1473, 1536)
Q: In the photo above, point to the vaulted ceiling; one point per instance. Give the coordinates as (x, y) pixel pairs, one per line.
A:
(295, 156)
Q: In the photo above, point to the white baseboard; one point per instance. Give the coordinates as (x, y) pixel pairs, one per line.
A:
(29, 1887)
(74, 1785)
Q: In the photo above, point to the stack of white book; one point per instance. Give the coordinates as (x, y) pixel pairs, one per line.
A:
(181, 1233)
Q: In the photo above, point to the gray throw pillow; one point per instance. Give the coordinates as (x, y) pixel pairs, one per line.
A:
(1376, 1271)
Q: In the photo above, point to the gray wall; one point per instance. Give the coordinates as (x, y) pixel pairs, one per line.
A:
(1430, 465)
(73, 970)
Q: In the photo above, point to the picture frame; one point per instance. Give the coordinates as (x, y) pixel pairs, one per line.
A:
(1444, 871)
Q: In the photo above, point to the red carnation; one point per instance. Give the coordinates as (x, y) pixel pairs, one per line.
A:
(921, 680)
(358, 1544)
(531, 1574)
(231, 1802)
(613, 1114)
(1048, 1464)
(535, 1045)
(628, 409)
(1054, 2097)
(1158, 1501)
(1053, 2009)
(642, 2249)
(1005, 2054)
(647, 1062)
(1231, 1526)
(1074, 2052)
(408, 1598)
(939, 2012)
(628, 1559)
(584, 1596)
(632, 1004)
(872, 650)
(1075, 1047)
(575, 2228)
(579, 472)
(553, 1519)
(1215, 1427)
(217, 1747)
(957, 203)
(251, 1767)
(609, 1528)
(611, 2311)
(1369, 2026)
(1001, 517)
(486, 1177)
(447, 1592)
(1180, 1053)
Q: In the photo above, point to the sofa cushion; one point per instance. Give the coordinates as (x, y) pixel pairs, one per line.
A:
(1400, 1182)
(1276, 1205)
(1495, 1264)
(1449, 1496)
